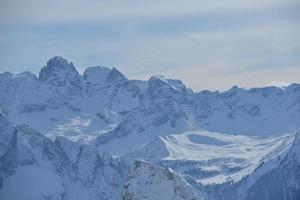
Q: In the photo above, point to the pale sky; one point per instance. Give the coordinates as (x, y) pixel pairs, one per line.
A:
(206, 44)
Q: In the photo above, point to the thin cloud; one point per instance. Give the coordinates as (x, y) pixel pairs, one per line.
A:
(56, 11)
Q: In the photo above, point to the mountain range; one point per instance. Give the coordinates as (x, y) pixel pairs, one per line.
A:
(99, 135)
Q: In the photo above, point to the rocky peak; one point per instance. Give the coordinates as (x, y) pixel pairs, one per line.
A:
(114, 74)
(101, 75)
(159, 85)
(147, 181)
(232, 92)
(294, 87)
(96, 74)
(57, 68)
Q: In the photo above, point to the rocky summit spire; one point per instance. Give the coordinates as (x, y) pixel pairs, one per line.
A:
(57, 67)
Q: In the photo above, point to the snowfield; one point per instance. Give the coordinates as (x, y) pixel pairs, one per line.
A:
(222, 157)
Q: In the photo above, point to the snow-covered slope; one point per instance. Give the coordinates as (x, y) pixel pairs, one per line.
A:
(275, 182)
(276, 179)
(213, 158)
(226, 166)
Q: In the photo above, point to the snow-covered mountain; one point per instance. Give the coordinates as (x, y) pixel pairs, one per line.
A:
(84, 136)
(104, 106)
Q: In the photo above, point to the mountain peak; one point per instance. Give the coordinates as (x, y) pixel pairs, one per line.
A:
(96, 73)
(161, 80)
(115, 74)
(158, 77)
(101, 74)
(159, 85)
(55, 66)
(147, 181)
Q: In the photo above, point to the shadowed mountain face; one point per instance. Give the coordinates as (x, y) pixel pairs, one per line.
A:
(64, 127)
(60, 169)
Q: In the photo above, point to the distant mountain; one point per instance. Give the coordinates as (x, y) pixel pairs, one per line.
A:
(100, 135)
(102, 105)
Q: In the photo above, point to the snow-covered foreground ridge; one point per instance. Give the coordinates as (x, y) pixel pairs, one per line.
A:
(59, 130)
